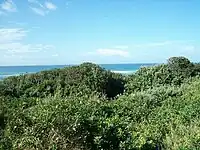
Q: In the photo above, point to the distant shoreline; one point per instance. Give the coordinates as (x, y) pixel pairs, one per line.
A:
(7, 71)
(114, 71)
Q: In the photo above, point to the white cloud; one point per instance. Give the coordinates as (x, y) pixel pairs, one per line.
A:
(50, 6)
(11, 34)
(20, 48)
(36, 3)
(8, 6)
(39, 11)
(110, 52)
(32, 1)
(146, 52)
(17, 23)
(11, 42)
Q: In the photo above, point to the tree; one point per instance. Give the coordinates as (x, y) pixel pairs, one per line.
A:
(181, 66)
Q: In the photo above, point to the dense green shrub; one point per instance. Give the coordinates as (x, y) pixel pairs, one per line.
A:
(55, 123)
(149, 77)
(175, 72)
(84, 79)
(181, 66)
(68, 109)
(165, 117)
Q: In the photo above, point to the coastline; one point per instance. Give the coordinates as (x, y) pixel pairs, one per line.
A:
(125, 69)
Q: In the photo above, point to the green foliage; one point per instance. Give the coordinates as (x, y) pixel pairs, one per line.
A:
(84, 79)
(197, 68)
(165, 116)
(181, 66)
(70, 108)
(149, 77)
(177, 71)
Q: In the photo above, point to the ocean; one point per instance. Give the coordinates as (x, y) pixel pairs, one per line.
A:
(6, 71)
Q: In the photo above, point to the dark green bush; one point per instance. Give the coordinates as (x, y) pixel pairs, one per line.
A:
(84, 79)
(181, 66)
(196, 68)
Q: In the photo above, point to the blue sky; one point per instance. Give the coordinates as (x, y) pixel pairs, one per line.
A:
(45, 32)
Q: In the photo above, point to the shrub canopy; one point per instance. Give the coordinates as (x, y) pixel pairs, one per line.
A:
(85, 79)
(71, 108)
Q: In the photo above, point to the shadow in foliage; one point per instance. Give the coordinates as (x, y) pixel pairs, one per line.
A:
(114, 87)
(149, 146)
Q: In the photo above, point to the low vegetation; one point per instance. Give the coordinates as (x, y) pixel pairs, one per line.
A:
(88, 107)
(85, 79)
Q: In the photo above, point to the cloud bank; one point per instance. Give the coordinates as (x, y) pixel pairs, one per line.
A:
(41, 9)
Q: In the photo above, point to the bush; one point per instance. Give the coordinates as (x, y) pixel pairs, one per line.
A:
(56, 123)
(66, 109)
(181, 66)
(197, 69)
(176, 72)
(84, 79)
(164, 116)
(149, 77)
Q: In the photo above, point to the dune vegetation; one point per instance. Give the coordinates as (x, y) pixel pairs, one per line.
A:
(86, 107)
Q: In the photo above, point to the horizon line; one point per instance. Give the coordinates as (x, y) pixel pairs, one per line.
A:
(78, 64)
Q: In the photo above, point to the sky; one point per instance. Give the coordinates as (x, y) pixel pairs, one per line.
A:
(59, 32)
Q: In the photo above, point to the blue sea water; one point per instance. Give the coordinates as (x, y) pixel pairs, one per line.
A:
(6, 71)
